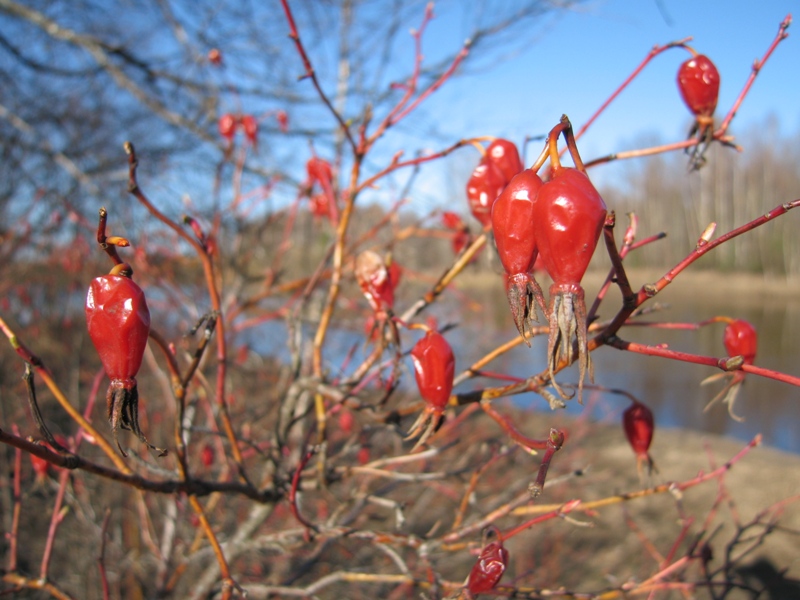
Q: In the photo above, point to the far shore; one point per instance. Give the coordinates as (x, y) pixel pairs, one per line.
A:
(743, 286)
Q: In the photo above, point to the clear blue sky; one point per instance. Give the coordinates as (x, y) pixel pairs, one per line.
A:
(589, 51)
(583, 55)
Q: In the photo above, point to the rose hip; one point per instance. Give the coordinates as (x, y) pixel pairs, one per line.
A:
(505, 155)
(637, 421)
(698, 83)
(227, 126)
(434, 370)
(377, 280)
(569, 215)
(250, 127)
(514, 235)
(118, 321)
(741, 339)
(486, 573)
(483, 188)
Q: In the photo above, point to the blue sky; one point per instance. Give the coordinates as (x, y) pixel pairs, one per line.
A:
(591, 49)
(582, 55)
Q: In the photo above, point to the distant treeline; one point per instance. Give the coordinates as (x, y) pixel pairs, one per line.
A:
(731, 189)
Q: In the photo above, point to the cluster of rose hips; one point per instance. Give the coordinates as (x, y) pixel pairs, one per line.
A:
(558, 221)
(228, 124)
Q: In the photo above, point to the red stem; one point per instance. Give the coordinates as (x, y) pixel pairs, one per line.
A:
(649, 291)
(411, 86)
(567, 508)
(757, 66)
(709, 361)
(529, 443)
(655, 51)
(55, 521)
(435, 85)
(101, 563)
(13, 535)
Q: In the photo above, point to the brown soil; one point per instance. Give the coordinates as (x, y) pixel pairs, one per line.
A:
(751, 522)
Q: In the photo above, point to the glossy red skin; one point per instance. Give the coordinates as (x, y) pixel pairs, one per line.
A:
(483, 188)
(227, 126)
(434, 369)
(513, 223)
(505, 155)
(637, 421)
(741, 339)
(119, 323)
(250, 126)
(698, 83)
(568, 218)
(491, 565)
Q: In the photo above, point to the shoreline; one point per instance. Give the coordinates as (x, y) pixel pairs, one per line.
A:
(685, 284)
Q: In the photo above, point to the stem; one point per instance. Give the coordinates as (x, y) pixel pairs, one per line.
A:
(225, 574)
(560, 511)
(13, 535)
(76, 416)
(214, 297)
(655, 51)
(757, 66)
(109, 249)
(101, 559)
(55, 521)
(311, 74)
(293, 491)
(664, 488)
(526, 442)
(709, 361)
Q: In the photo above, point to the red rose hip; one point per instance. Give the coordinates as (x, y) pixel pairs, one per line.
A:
(698, 83)
(741, 339)
(483, 188)
(569, 215)
(227, 126)
(514, 235)
(637, 421)
(118, 321)
(505, 155)
(434, 370)
(487, 572)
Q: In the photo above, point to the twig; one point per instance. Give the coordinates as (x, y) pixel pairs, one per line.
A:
(311, 74)
(756, 69)
(214, 297)
(42, 371)
(101, 558)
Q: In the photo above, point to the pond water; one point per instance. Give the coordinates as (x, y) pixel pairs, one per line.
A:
(671, 389)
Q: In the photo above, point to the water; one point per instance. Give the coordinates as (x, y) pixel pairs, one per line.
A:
(670, 388)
